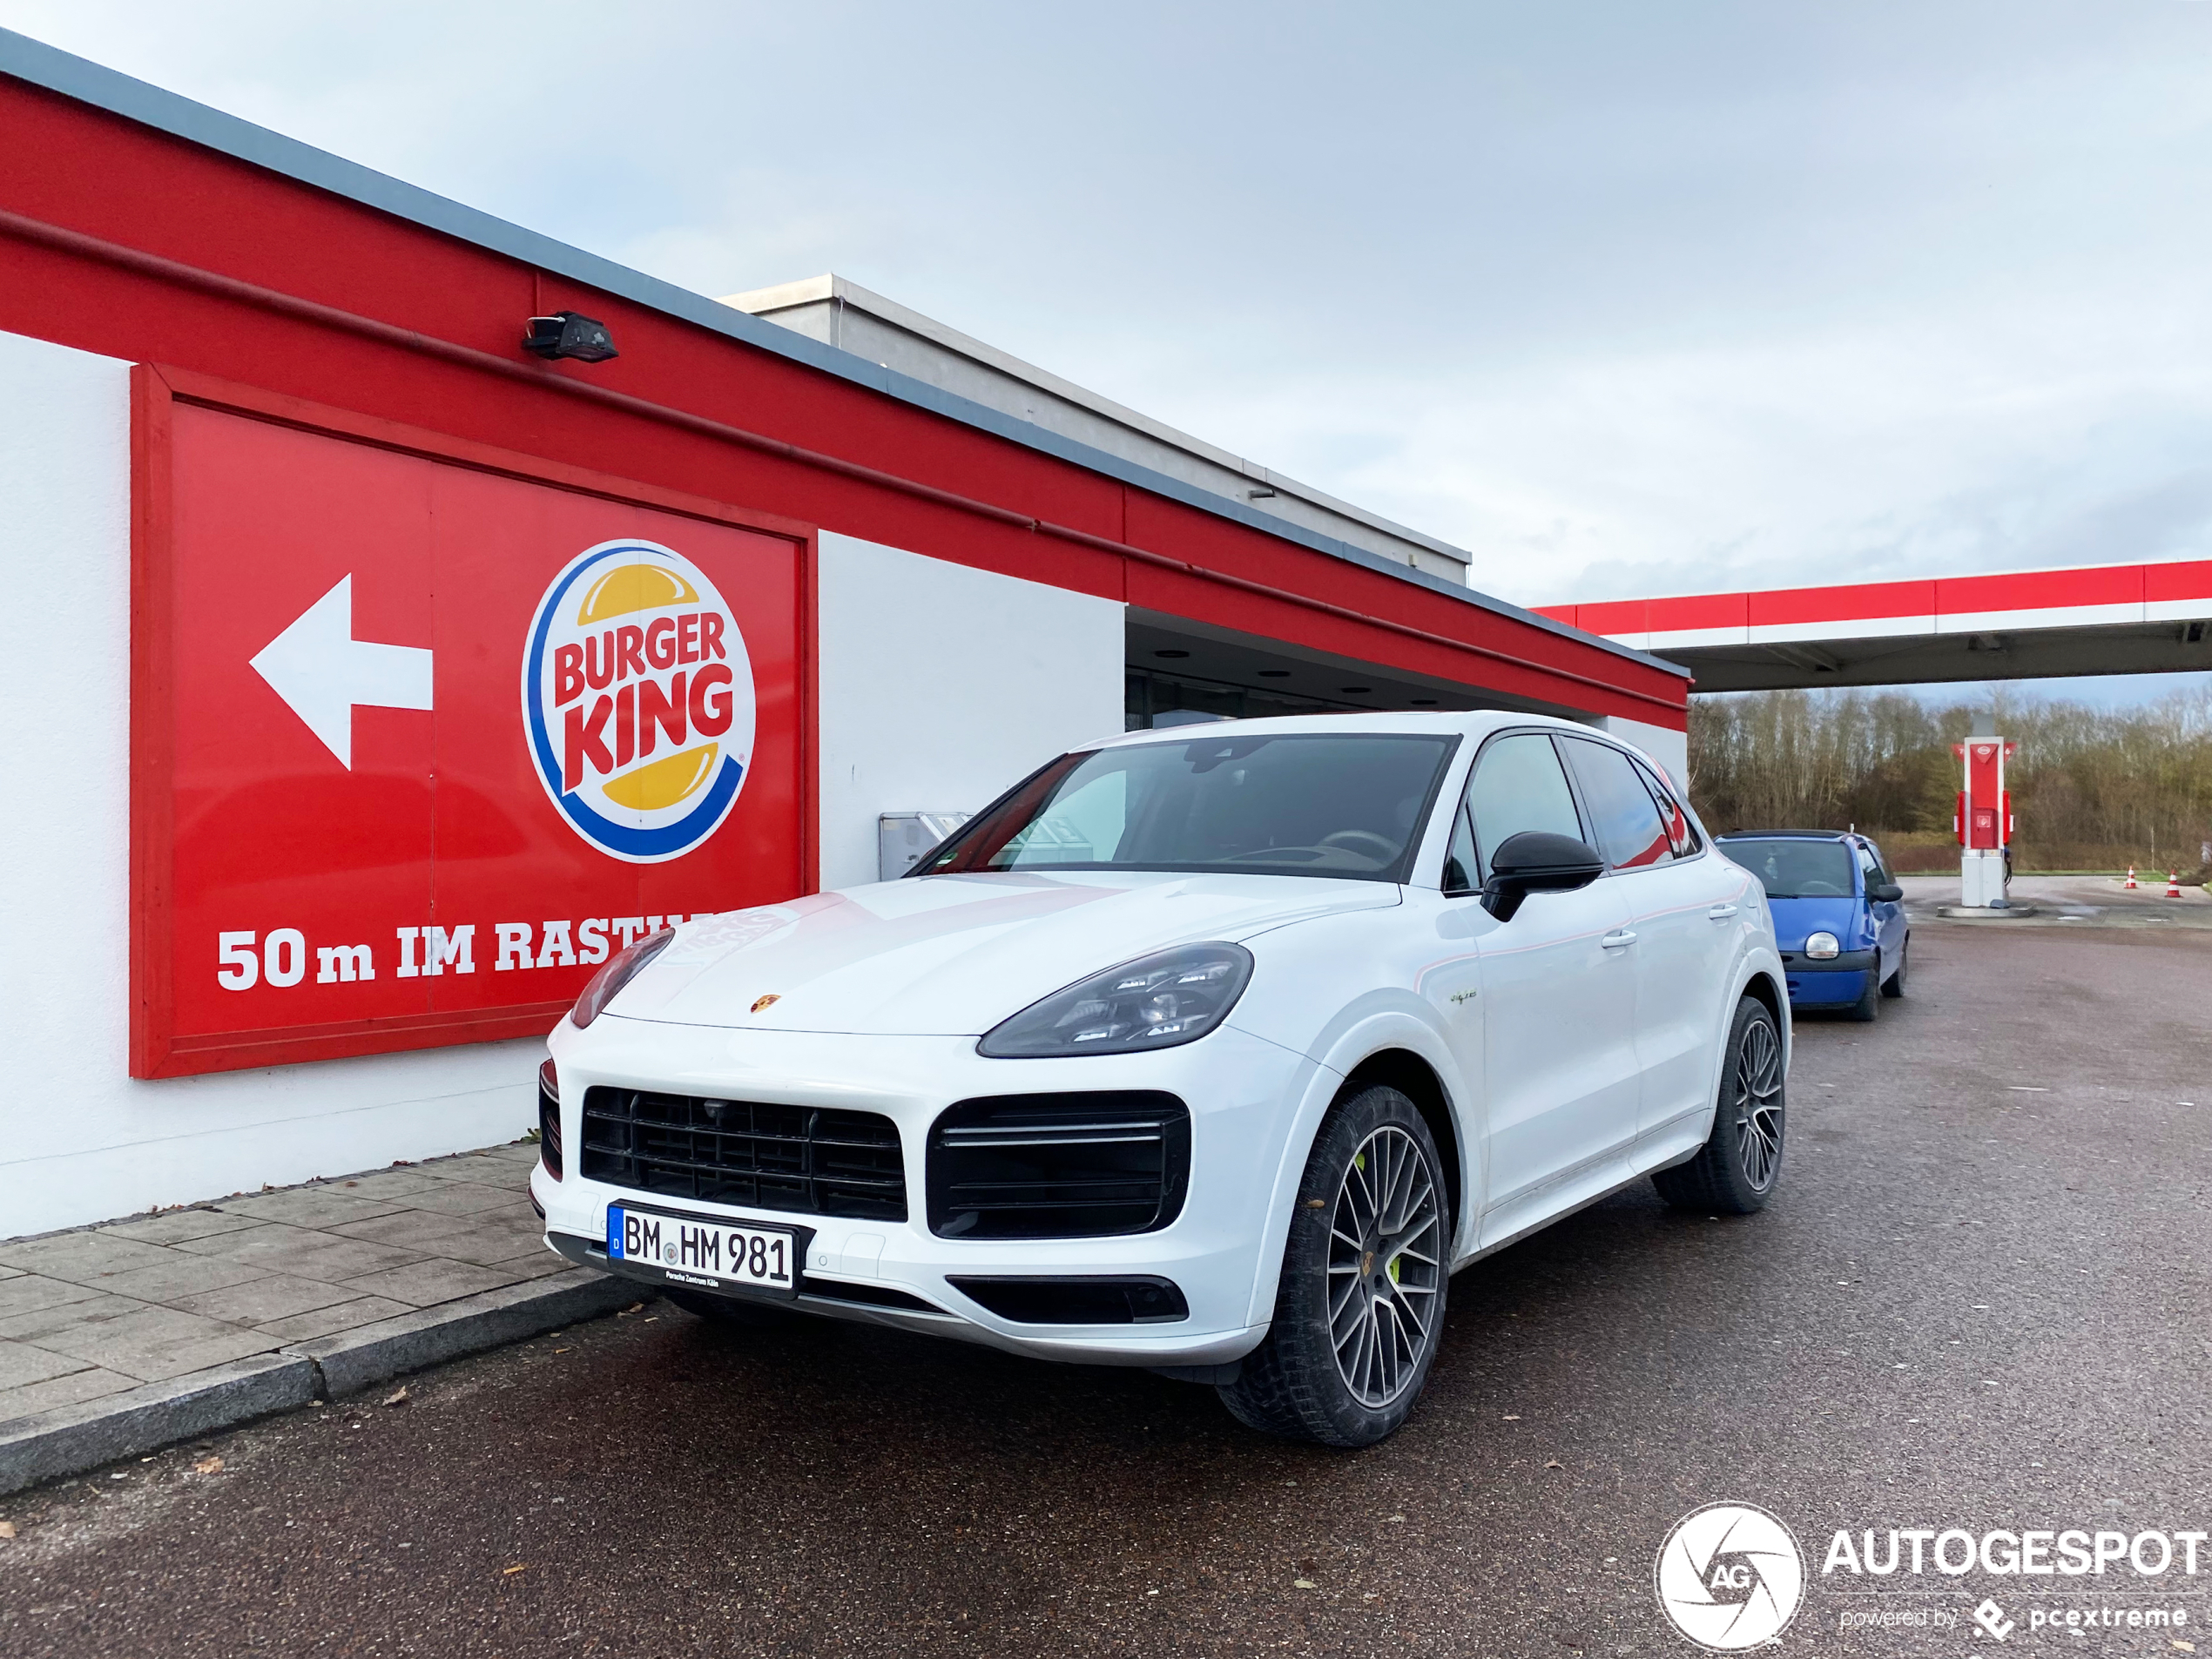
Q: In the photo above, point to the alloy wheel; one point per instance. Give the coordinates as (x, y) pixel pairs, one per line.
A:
(1756, 1085)
(1385, 1265)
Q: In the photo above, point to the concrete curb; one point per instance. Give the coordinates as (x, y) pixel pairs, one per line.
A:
(356, 1359)
(72, 1439)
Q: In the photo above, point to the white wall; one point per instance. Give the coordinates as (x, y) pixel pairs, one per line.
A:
(79, 1139)
(942, 687)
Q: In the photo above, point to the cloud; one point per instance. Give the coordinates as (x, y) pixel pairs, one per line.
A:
(1623, 299)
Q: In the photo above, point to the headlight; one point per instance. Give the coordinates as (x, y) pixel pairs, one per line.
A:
(1820, 946)
(1156, 1001)
(627, 966)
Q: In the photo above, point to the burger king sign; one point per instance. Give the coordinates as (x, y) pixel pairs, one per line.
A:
(638, 701)
(342, 841)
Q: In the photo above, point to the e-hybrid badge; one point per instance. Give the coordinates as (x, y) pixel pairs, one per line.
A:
(703, 1252)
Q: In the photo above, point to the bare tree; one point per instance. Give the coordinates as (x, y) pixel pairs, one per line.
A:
(2092, 788)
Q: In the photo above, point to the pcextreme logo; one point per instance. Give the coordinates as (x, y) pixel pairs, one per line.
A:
(1729, 1576)
(638, 701)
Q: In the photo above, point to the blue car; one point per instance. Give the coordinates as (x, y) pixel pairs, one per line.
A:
(1838, 915)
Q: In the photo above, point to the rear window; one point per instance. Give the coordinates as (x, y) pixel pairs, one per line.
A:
(1681, 835)
(1629, 831)
(1794, 869)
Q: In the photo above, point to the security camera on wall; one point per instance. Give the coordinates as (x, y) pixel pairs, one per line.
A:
(569, 334)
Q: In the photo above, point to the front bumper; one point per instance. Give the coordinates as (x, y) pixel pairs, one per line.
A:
(1243, 1094)
(1819, 981)
(1849, 961)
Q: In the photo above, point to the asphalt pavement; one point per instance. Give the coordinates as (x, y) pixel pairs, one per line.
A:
(1980, 1301)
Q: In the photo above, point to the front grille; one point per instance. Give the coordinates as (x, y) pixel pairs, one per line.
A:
(804, 1159)
(549, 1119)
(1059, 1166)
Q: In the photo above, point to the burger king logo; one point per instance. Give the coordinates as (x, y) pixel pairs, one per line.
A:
(638, 701)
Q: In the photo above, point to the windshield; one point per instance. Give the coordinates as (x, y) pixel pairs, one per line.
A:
(1319, 805)
(1793, 869)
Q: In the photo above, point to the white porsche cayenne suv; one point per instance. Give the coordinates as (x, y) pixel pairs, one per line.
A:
(1217, 1051)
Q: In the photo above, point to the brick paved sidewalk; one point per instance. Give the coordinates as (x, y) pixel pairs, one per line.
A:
(99, 1311)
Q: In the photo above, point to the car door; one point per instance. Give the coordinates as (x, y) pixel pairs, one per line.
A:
(1668, 901)
(1558, 994)
(1721, 892)
(1888, 914)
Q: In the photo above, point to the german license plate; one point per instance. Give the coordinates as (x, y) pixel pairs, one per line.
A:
(710, 1253)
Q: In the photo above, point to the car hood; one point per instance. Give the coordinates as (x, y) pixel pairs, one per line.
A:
(954, 955)
(1795, 917)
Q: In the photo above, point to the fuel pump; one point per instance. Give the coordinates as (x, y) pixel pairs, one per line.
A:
(1984, 822)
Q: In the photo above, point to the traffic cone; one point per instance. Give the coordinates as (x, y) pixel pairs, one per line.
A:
(2130, 884)
(2173, 885)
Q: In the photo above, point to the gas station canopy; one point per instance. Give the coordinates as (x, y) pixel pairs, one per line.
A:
(2027, 624)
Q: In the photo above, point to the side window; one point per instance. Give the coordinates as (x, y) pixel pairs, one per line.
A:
(1628, 830)
(1881, 864)
(1870, 867)
(1459, 863)
(1681, 835)
(1517, 785)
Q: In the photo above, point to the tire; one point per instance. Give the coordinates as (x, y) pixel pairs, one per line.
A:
(1868, 1008)
(732, 1313)
(1738, 1168)
(1894, 985)
(1359, 1308)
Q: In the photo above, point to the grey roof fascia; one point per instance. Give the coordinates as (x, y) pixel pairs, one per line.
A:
(39, 64)
(835, 289)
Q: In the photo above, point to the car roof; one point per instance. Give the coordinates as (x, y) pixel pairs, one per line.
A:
(1801, 835)
(1420, 722)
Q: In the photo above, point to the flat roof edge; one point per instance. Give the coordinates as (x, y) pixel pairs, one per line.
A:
(52, 70)
(813, 290)
(830, 286)
(781, 296)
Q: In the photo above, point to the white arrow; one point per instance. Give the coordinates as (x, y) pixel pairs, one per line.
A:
(323, 671)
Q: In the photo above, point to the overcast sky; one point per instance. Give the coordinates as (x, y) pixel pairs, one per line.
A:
(1625, 299)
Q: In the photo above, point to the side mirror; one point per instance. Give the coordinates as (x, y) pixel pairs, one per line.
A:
(1534, 862)
(1885, 892)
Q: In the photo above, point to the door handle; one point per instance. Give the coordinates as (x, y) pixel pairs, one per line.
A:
(1615, 941)
(1722, 912)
